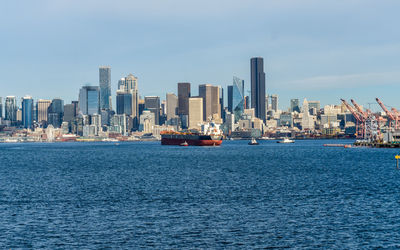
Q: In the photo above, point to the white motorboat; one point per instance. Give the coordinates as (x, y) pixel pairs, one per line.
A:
(253, 142)
(286, 140)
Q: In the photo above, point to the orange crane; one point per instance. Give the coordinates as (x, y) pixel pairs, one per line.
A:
(368, 114)
(364, 114)
(391, 117)
(360, 125)
(396, 114)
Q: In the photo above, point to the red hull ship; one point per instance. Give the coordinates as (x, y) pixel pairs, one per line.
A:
(177, 138)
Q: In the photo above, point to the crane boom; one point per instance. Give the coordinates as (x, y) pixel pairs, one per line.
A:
(388, 113)
(394, 110)
(364, 114)
(351, 109)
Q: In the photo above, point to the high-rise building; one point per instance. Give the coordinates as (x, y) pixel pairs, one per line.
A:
(183, 98)
(196, 112)
(124, 102)
(121, 84)
(42, 107)
(258, 87)
(230, 98)
(215, 102)
(314, 105)
(183, 103)
(172, 106)
(221, 101)
(274, 102)
(89, 100)
(152, 103)
(211, 101)
(1, 107)
(247, 102)
(205, 94)
(130, 88)
(294, 105)
(55, 113)
(27, 112)
(105, 87)
(307, 121)
(236, 97)
(19, 115)
(70, 111)
(11, 109)
(147, 121)
(131, 82)
(141, 107)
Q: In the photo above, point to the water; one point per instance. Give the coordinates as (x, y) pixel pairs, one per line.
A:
(141, 194)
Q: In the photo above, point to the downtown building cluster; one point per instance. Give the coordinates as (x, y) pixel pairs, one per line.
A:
(92, 116)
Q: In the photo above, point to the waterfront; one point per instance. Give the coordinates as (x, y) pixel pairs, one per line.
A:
(142, 194)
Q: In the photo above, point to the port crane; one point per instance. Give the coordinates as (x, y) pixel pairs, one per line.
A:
(359, 109)
(393, 120)
(372, 121)
(396, 115)
(360, 121)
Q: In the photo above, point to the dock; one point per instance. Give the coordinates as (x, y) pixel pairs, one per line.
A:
(377, 144)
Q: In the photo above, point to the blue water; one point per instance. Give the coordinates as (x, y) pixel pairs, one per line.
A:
(141, 194)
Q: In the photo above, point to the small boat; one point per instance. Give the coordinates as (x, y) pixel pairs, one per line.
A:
(253, 142)
(184, 144)
(286, 140)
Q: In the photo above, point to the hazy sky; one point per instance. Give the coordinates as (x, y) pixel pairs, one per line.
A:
(321, 50)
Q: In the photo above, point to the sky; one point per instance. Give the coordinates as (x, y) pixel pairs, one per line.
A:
(319, 50)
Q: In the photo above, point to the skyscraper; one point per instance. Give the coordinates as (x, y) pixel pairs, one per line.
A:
(314, 105)
(172, 106)
(215, 101)
(131, 82)
(70, 111)
(230, 98)
(258, 87)
(152, 103)
(246, 102)
(55, 112)
(105, 87)
(121, 84)
(183, 103)
(183, 98)
(195, 112)
(221, 101)
(294, 105)
(11, 109)
(89, 100)
(27, 112)
(128, 94)
(42, 109)
(236, 97)
(124, 102)
(205, 93)
(274, 103)
(1, 107)
(211, 101)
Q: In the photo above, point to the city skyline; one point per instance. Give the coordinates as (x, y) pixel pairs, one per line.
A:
(354, 47)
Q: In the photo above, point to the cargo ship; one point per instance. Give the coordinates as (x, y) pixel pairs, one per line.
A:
(209, 136)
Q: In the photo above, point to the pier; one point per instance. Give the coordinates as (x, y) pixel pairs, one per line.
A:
(378, 144)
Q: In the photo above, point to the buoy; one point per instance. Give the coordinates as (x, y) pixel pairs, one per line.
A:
(397, 157)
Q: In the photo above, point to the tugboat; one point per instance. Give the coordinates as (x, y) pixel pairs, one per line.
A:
(286, 140)
(253, 142)
(185, 144)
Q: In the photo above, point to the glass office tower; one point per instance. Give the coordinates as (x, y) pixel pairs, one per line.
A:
(89, 100)
(27, 112)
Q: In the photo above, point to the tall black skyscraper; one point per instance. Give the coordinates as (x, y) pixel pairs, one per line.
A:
(152, 103)
(258, 86)
(105, 87)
